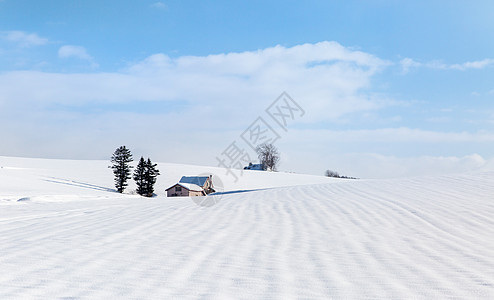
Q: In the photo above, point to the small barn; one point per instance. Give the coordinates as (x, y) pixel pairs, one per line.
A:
(190, 186)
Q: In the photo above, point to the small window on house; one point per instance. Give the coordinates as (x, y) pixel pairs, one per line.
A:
(178, 189)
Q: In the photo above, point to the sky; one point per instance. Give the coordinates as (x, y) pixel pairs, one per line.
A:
(370, 89)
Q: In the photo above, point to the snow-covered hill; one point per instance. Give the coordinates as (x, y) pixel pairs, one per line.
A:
(32, 178)
(65, 234)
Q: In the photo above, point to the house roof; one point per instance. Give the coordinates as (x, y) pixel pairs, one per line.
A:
(188, 186)
(258, 167)
(195, 180)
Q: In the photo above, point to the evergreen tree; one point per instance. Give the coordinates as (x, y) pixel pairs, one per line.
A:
(145, 177)
(150, 177)
(139, 177)
(121, 168)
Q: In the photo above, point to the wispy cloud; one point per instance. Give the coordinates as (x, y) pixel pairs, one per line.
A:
(407, 64)
(159, 5)
(23, 39)
(73, 51)
(463, 66)
(70, 51)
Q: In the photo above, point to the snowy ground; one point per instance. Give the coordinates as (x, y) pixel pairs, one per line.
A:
(64, 234)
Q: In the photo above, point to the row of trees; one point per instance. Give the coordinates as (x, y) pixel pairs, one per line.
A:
(335, 174)
(144, 175)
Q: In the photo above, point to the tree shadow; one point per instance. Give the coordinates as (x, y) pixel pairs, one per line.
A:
(237, 192)
(79, 184)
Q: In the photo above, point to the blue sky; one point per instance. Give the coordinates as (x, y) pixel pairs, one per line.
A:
(390, 88)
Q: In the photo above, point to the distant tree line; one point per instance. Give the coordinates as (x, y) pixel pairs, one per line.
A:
(335, 174)
(144, 175)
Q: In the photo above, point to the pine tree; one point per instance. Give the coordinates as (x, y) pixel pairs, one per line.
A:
(145, 177)
(150, 177)
(140, 178)
(121, 168)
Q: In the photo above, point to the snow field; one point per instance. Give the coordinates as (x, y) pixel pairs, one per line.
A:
(422, 238)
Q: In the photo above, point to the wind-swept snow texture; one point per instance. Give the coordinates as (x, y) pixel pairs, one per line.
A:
(69, 237)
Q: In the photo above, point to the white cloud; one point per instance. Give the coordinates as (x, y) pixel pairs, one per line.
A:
(70, 51)
(382, 166)
(327, 79)
(23, 39)
(318, 156)
(159, 5)
(188, 101)
(393, 135)
(408, 63)
(73, 51)
(472, 65)
(368, 153)
(481, 64)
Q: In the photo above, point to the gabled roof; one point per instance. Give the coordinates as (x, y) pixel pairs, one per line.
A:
(188, 186)
(195, 180)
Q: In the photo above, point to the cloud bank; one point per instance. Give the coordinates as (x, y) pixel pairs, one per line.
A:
(329, 79)
(187, 109)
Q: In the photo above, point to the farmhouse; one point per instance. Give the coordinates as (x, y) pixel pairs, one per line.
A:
(190, 186)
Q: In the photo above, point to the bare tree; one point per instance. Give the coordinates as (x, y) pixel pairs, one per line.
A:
(268, 156)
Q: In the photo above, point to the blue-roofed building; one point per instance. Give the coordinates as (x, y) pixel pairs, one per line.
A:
(189, 186)
(257, 167)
